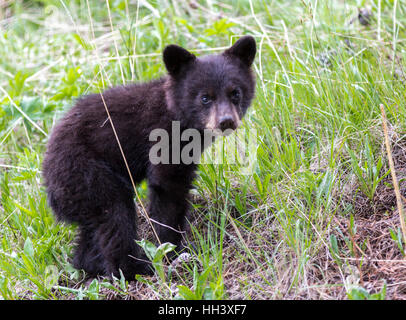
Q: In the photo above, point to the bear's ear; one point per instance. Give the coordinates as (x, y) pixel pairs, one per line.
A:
(175, 58)
(245, 49)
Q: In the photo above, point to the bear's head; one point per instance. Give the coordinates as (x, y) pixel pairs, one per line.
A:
(214, 91)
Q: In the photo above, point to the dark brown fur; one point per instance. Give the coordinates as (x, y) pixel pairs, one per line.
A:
(85, 175)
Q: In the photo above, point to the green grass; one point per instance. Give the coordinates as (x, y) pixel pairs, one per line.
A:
(275, 234)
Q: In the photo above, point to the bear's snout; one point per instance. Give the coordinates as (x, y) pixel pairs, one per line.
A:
(227, 122)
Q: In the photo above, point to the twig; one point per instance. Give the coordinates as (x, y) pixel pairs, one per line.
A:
(128, 168)
(394, 178)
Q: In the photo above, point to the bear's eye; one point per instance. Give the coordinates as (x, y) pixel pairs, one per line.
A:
(235, 95)
(206, 99)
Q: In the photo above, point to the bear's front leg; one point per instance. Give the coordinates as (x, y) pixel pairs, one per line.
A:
(169, 187)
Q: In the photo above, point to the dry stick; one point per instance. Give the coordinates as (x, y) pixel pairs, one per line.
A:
(128, 169)
(394, 178)
(131, 177)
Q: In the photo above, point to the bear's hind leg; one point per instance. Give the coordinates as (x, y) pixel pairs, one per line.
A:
(87, 253)
(115, 235)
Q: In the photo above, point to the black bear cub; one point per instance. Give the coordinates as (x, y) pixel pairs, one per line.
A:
(87, 180)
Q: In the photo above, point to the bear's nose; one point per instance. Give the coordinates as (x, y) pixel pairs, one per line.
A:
(226, 122)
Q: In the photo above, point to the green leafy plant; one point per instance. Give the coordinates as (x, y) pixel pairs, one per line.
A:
(69, 87)
(203, 287)
(17, 84)
(33, 107)
(367, 169)
(398, 238)
(156, 255)
(359, 293)
(219, 27)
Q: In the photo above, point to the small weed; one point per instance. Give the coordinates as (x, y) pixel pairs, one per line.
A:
(367, 169)
(359, 293)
